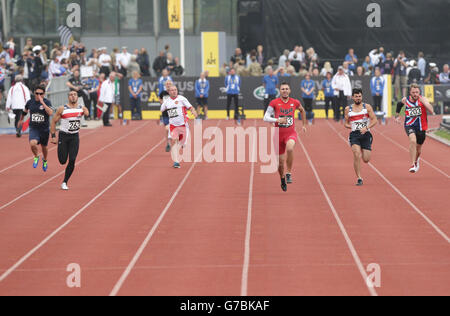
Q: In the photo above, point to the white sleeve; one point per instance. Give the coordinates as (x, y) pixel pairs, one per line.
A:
(186, 103)
(9, 99)
(27, 94)
(270, 115)
(163, 107)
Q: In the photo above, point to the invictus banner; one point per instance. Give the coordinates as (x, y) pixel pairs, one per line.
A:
(174, 11)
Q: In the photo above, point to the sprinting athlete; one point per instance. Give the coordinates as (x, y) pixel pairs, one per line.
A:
(40, 110)
(416, 123)
(163, 96)
(176, 107)
(360, 118)
(70, 116)
(281, 112)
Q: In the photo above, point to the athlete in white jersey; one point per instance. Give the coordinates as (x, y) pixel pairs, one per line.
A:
(70, 116)
(360, 118)
(176, 107)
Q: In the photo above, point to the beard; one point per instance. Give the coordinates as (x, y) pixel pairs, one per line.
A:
(358, 102)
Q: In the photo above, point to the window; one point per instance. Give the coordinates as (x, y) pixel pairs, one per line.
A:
(136, 16)
(27, 17)
(101, 17)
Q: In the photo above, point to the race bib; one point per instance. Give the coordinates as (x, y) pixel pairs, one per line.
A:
(74, 126)
(233, 87)
(290, 122)
(360, 126)
(37, 118)
(414, 112)
(173, 113)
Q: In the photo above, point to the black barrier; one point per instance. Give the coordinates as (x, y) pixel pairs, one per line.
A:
(442, 93)
(251, 97)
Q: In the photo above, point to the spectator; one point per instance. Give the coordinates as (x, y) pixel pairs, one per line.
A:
(241, 71)
(401, 80)
(303, 71)
(166, 50)
(237, 55)
(107, 96)
(93, 62)
(281, 72)
(270, 83)
(55, 69)
(347, 70)
(123, 61)
(377, 87)
(298, 54)
(43, 54)
(11, 47)
(159, 64)
(202, 94)
(283, 58)
(260, 58)
(75, 84)
(143, 60)
(360, 71)
(224, 70)
(315, 72)
(414, 74)
(114, 62)
(290, 71)
(135, 87)
(93, 85)
(444, 77)
(162, 81)
(29, 45)
(326, 69)
(376, 57)
(327, 87)
(249, 57)
(3, 75)
(105, 61)
(178, 70)
(255, 69)
(342, 91)
(369, 71)
(352, 59)
(308, 87)
(233, 88)
(312, 59)
(422, 64)
(132, 67)
(18, 96)
(56, 48)
(270, 65)
(387, 67)
(366, 64)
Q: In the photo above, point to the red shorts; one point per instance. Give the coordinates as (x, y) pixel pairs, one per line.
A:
(178, 132)
(284, 138)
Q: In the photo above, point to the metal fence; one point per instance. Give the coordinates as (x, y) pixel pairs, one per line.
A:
(57, 91)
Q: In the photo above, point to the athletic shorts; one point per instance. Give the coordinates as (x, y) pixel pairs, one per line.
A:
(40, 135)
(420, 135)
(284, 138)
(166, 120)
(179, 132)
(364, 141)
(202, 102)
(2, 87)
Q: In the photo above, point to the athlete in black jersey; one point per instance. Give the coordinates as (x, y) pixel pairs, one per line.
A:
(165, 116)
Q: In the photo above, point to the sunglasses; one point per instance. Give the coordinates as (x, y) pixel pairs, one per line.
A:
(38, 93)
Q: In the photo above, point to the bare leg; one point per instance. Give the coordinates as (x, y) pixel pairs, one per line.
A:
(357, 155)
(413, 148)
(175, 151)
(290, 155)
(419, 152)
(366, 156)
(34, 148)
(281, 169)
(45, 152)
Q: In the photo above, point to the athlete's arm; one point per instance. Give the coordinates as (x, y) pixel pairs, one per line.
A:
(194, 112)
(56, 119)
(86, 111)
(397, 113)
(347, 118)
(427, 104)
(373, 119)
(269, 117)
(303, 113)
(47, 109)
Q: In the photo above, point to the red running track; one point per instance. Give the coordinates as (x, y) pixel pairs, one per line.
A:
(135, 226)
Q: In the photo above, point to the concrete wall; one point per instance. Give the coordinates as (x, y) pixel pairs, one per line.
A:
(193, 47)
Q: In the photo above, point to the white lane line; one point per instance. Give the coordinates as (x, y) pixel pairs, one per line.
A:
(414, 207)
(49, 237)
(29, 159)
(78, 163)
(147, 240)
(248, 232)
(352, 249)
(423, 160)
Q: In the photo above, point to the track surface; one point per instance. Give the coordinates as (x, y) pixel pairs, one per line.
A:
(135, 226)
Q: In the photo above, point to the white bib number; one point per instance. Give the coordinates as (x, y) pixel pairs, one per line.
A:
(415, 112)
(74, 126)
(360, 126)
(37, 118)
(290, 122)
(173, 113)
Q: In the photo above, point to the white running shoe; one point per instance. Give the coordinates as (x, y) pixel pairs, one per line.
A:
(413, 169)
(64, 187)
(418, 165)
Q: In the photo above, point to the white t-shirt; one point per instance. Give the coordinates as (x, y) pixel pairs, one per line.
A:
(176, 109)
(124, 59)
(105, 60)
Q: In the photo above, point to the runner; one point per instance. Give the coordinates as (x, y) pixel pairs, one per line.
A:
(176, 106)
(416, 123)
(40, 110)
(164, 95)
(281, 111)
(360, 118)
(69, 142)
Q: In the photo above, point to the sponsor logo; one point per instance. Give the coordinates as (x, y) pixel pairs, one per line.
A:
(260, 93)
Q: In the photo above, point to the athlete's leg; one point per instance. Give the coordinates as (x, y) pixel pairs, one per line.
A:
(413, 148)
(63, 150)
(74, 146)
(281, 168)
(175, 150)
(44, 152)
(357, 155)
(290, 155)
(34, 147)
(419, 152)
(366, 155)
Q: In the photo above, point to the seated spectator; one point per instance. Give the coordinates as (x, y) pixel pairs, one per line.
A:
(414, 75)
(255, 69)
(359, 71)
(315, 72)
(260, 58)
(283, 58)
(178, 70)
(367, 63)
(281, 72)
(387, 67)
(347, 70)
(433, 76)
(237, 55)
(133, 66)
(303, 71)
(444, 76)
(290, 69)
(143, 60)
(352, 59)
(326, 69)
(270, 65)
(241, 71)
(223, 72)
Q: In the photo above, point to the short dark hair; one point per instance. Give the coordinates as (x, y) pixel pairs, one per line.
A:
(40, 87)
(284, 83)
(357, 91)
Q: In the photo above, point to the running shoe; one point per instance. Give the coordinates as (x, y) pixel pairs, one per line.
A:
(64, 187)
(413, 169)
(168, 148)
(288, 178)
(418, 165)
(36, 162)
(360, 183)
(284, 186)
(176, 165)
(45, 165)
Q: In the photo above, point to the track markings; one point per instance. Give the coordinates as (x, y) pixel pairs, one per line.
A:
(147, 240)
(79, 212)
(414, 207)
(78, 163)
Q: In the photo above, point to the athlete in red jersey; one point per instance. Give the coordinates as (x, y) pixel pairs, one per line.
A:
(281, 112)
(416, 123)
